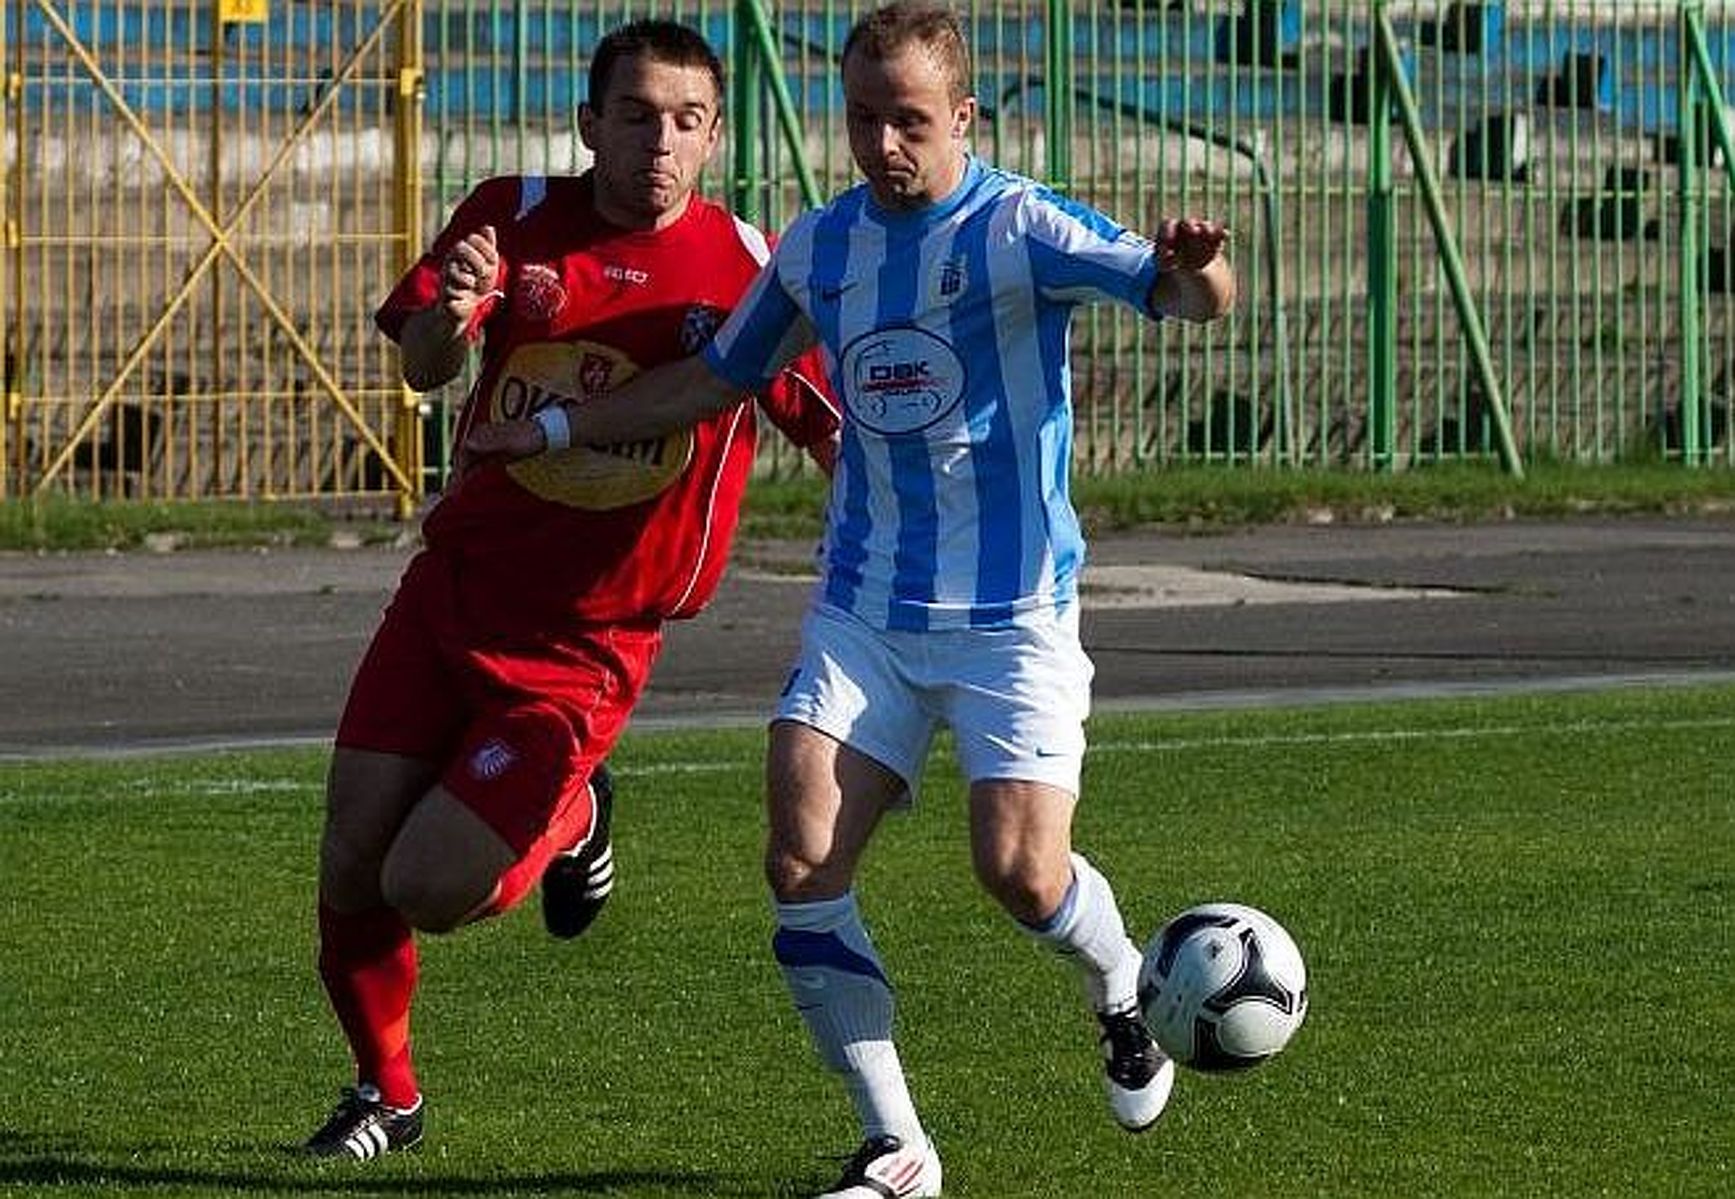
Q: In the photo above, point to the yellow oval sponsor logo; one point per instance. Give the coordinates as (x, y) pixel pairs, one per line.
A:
(583, 476)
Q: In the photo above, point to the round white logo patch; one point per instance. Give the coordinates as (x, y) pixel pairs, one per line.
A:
(901, 380)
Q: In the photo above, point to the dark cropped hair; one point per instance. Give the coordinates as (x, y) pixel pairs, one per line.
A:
(886, 31)
(660, 41)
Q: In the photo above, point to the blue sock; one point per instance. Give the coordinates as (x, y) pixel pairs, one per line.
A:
(840, 988)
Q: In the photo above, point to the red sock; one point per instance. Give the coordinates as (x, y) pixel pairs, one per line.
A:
(368, 963)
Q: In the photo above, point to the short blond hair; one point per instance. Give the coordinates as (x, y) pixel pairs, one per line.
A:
(885, 31)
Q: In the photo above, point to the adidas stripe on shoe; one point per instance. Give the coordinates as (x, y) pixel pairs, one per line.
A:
(575, 885)
(363, 1127)
(883, 1168)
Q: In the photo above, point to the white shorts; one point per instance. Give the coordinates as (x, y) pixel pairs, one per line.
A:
(1015, 699)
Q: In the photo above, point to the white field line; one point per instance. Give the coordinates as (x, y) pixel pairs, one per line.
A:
(286, 786)
(1379, 736)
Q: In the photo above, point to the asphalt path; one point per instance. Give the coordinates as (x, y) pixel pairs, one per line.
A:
(136, 652)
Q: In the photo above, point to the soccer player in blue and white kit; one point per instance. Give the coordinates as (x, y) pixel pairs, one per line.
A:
(942, 292)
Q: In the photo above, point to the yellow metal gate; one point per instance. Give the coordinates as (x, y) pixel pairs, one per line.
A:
(203, 203)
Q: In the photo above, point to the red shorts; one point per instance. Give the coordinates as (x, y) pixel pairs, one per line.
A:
(517, 722)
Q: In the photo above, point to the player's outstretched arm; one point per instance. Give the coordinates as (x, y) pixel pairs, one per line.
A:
(658, 401)
(1195, 281)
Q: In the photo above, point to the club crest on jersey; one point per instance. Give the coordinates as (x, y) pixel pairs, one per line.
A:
(593, 374)
(699, 326)
(538, 293)
(492, 759)
(950, 279)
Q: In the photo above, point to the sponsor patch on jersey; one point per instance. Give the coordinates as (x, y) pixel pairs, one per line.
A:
(537, 293)
(901, 380)
(617, 273)
(590, 477)
(492, 759)
(699, 326)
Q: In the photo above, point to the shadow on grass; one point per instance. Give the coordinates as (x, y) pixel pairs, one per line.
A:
(47, 1163)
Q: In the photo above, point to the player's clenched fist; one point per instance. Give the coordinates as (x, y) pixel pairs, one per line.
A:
(1189, 244)
(470, 274)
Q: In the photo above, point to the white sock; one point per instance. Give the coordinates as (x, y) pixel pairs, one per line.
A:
(1087, 927)
(840, 989)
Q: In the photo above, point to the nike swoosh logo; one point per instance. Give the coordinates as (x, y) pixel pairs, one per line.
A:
(833, 293)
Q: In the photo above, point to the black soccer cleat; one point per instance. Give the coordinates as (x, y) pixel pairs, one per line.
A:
(576, 884)
(362, 1127)
(1139, 1076)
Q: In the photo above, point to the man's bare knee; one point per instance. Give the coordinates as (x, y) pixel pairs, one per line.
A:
(825, 800)
(445, 865)
(349, 872)
(1020, 845)
(795, 879)
(368, 798)
(1025, 895)
(428, 903)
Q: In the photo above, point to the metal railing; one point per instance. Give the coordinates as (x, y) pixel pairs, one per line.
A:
(195, 196)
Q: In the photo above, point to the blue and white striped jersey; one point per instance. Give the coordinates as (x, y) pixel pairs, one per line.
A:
(945, 333)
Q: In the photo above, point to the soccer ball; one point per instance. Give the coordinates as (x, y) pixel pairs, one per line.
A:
(1223, 987)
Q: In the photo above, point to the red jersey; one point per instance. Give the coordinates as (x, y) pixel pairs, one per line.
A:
(599, 533)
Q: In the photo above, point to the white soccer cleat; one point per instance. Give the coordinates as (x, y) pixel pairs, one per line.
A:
(883, 1168)
(1139, 1076)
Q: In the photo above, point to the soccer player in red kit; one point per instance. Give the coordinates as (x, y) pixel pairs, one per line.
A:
(467, 762)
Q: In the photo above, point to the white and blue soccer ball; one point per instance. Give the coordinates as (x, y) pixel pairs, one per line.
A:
(1223, 987)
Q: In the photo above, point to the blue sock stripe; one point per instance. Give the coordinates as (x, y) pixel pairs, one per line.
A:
(1062, 914)
(796, 947)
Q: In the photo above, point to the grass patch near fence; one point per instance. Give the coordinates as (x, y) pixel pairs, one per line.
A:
(55, 525)
(1209, 497)
(1206, 498)
(1190, 497)
(1514, 911)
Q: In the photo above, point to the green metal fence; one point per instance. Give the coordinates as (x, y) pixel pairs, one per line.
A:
(1533, 157)
(1464, 230)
